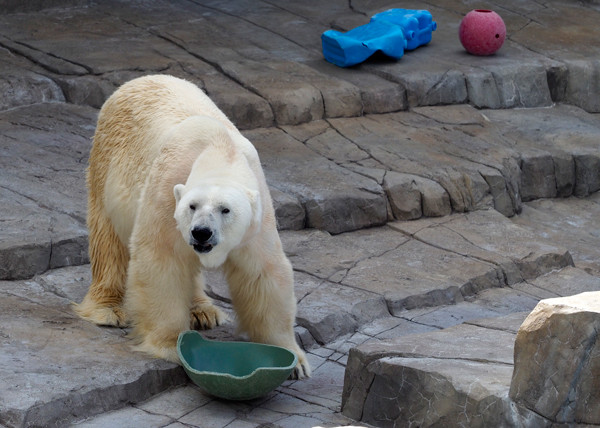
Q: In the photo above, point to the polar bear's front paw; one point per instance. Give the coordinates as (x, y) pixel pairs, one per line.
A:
(302, 369)
(206, 315)
(99, 314)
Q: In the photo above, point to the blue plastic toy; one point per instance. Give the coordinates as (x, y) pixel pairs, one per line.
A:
(417, 25)
(358, 44)
(390, 32)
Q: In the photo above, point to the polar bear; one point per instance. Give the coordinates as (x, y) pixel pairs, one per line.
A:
(174, 189)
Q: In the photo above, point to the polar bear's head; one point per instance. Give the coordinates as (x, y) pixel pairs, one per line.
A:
(214, 219)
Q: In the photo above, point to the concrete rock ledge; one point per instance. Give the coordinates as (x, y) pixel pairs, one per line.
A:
(340, 286)
(457, 377)
(48, 376)
(465, 375)
(349, 155)
(264, 66)
(347, 280)
(338, 175)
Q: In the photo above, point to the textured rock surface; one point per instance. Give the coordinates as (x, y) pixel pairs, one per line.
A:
(334, 198)
(336, 311)
(541, 59)
(563, 222)
(337, 175)
(557, 360)
(47, 374)
(261, 62)
(459, 376)
(43, 153)
(452, 375)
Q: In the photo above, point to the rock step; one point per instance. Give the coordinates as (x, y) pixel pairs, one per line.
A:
(571, 223)
(460, 375)
(351, 283)
(268, 68)
(347, 280)
(337, 175)
(55, 368)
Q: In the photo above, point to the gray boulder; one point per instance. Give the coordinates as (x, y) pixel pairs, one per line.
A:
(557, 360)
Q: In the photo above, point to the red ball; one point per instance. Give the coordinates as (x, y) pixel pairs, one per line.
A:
(482, 32)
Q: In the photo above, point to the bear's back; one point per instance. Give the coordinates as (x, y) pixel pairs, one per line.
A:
(134, 120)
(157, 102)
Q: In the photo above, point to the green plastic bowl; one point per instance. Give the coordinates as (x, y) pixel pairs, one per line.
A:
(234, 370)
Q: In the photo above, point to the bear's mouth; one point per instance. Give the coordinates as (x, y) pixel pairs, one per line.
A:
(202, 248)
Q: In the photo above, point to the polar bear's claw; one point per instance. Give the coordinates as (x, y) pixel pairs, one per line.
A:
(301, 371)
(206, 316)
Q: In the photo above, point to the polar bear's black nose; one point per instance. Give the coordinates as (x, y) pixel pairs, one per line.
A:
(201, 234)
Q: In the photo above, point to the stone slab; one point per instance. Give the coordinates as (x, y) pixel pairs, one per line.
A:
(568, 222)
(133, 416)
(392, 327)
(476, 344)
(332, 310)
(510, 323)
(257, 32)
(313, 291)
(567, 282)
(296, 92)
(43, 156)
(289, 212)
(354, 184)
(326, 382)
(486, 305)
(292, 100)
(583, 81)
(520, 253)
(417, 275)
(414, 369)
(408, 143)
(41, 383)
(53, 39)
(417, 265)
(442, 387)
(524, 73)
(244, 108)
(377, 95)
(177, 404)
(413, 197)
(329, 256)
(21, 86)
(569, 143)
(400, 378)
(348, 201)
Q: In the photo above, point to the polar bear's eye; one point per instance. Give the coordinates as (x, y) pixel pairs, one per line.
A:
(225, 211)
(193, 207)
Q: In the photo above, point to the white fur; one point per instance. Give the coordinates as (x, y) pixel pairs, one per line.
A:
(161, 146)
(203, 205)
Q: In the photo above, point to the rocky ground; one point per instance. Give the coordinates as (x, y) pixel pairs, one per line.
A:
(427, 204)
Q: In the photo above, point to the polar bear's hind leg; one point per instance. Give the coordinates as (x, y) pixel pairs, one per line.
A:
(109, 259)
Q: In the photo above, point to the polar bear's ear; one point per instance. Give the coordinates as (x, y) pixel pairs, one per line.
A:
(178, 192)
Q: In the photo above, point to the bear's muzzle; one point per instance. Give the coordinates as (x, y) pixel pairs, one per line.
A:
(203, 239)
